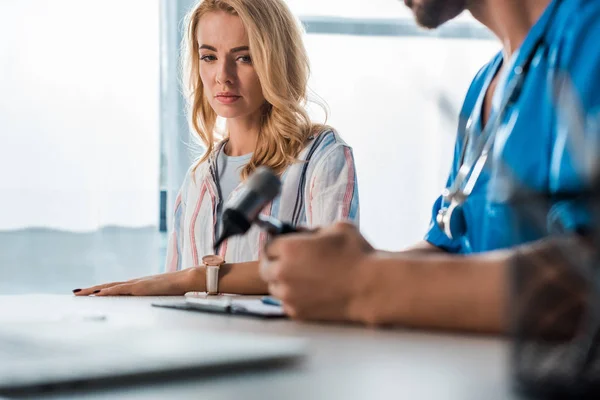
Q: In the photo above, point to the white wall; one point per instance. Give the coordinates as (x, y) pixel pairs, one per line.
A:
(383, 96)
(79, 113)
(351, 8)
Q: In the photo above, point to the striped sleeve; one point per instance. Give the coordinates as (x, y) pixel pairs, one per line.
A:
(175, 243)
(333, 189)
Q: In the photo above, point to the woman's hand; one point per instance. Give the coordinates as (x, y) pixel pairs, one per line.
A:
(169, 284)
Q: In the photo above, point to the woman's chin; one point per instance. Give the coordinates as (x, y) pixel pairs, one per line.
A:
(233, 111)
(228, 112)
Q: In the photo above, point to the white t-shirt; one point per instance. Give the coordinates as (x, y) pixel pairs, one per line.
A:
(229, 170)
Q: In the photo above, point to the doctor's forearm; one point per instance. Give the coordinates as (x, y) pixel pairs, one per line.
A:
(423, 247)
(433, 291)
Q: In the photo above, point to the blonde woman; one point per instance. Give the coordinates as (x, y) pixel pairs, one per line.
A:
(245, 62)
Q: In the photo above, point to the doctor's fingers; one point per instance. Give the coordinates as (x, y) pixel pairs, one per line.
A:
(277, 270)
(289, 246)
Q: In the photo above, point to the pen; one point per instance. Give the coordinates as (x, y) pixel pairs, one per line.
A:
(271, 301)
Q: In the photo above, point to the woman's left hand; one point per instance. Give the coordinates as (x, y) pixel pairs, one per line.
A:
(169, 284)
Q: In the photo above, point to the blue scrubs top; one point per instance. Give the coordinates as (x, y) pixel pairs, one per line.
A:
(532, 144)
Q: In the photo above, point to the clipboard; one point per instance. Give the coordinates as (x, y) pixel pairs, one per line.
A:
(228, 305)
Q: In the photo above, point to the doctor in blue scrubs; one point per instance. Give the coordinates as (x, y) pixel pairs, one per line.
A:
(531, 115)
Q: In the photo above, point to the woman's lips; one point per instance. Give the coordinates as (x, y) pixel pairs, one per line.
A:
(227, 98)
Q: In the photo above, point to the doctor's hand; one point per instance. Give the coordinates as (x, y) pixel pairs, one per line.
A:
(169, 284)
(317, 275)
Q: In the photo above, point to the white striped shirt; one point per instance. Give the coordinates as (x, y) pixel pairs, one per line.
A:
(317, 192)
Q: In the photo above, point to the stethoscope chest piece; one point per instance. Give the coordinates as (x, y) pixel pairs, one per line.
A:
(452, 221)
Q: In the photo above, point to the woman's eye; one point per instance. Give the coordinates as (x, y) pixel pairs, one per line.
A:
(208, 58)
(245, 59)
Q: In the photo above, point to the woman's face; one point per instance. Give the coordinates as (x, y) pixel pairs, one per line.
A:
(231, 84)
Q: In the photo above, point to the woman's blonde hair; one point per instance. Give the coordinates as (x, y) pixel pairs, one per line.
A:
(281, 63)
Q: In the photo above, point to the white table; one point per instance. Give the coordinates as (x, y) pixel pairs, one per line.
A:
(344, 362)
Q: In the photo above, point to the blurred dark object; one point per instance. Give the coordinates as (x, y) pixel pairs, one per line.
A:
(555, 320)
(162, 224)
(555, 284)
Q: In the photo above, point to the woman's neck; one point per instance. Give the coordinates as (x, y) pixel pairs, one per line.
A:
(243, 135)
(510, 20)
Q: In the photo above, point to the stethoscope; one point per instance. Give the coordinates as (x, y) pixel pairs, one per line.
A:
(451, 218)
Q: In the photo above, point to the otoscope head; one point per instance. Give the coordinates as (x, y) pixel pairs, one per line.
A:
(260, 189)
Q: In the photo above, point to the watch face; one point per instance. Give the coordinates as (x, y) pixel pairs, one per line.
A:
(213, 260)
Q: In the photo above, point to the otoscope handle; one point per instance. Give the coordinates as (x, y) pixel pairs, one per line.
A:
(287, 228)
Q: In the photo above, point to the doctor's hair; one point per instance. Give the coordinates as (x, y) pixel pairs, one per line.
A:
(281, 63)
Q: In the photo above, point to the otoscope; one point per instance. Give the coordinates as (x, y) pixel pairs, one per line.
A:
(239, 215)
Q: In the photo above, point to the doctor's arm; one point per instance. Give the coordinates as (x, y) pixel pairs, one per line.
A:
(335, 275)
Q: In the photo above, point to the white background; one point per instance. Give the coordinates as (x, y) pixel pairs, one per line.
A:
(79, 113)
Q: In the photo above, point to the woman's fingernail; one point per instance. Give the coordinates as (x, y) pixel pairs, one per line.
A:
(96, 291)
(76, 290)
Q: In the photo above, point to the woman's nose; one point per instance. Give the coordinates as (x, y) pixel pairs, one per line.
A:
(225, 74)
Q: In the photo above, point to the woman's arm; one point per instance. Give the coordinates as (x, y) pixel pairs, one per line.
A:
(332, 188)
(240, 278)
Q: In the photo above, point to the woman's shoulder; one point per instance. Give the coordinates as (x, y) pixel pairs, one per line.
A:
(201, 167)
(195, 175)
(321, 143)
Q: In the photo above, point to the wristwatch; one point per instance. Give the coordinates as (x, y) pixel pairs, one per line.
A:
(212, 264)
